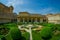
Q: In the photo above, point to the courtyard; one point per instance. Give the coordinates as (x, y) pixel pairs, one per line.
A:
(40, 31)
(29, 19)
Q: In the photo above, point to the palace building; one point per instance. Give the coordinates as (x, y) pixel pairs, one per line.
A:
(49, 18)
(54, 18)
(27, 17)
(6, 14)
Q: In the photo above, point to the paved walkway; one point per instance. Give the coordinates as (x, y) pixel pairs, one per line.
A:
(29, 30)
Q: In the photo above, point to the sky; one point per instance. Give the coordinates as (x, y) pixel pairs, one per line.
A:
(34, 6)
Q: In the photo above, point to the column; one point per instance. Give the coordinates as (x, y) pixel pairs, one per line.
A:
(41, 20)
(18, 20)
(27, 19)
(36, 20)
(31, 20)
(23, 20)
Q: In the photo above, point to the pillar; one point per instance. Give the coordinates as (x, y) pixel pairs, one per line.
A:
(31, 20)
(27, 19)
(18, 20)
(41, 20)
(23, 20)
(36, 20)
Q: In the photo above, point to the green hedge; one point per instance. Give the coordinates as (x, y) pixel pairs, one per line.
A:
(46, 33)
(25, 35)
(15, 34)
(56, 37)
(36, 35)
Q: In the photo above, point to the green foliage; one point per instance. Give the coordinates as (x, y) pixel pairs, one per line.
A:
(25, 35)
(48, 25)
(36, 35)
(15, 34)
(3, 38)
(8, 37)
(3, 30)
(55, 37)
(20, 23)
(57, 27)
(46, 33)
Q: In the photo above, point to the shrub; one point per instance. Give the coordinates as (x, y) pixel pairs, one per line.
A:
(46, 33)
(36, 35)
(3, 38)
(25, 35)
(55, 37)
(20, 23)
(3, 30)
(15, 34)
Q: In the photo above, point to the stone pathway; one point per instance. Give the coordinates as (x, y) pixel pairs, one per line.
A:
(29, 30)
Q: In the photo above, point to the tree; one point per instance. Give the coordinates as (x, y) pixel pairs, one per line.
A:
(15, 34)
(46, 33)
(56, 37)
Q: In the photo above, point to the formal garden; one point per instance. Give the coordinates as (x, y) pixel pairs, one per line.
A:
(49, 31)
(10, 31)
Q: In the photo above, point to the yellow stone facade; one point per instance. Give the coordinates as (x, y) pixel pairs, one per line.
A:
(27, 17)
(6, 14)
(53, 18)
